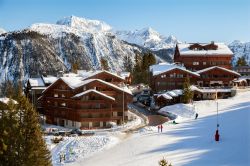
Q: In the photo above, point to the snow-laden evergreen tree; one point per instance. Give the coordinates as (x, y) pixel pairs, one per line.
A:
(127, 64)
(21, 138)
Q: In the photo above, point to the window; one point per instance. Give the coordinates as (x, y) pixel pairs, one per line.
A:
(179, 75)
(195, 63)
(63, 95)
(63, 87)
(173, 75)
(63, 104)
(55, 95)
(85, 98)
(84, 88)
(73, 123)
(204, 63)
(97, 105)
(163, 76)
(55, 104)
(66, 122)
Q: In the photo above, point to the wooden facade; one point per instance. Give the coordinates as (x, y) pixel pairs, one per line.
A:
(94, 103)
(196, 56)
(171, 79)
(107, 76)
(216, 77)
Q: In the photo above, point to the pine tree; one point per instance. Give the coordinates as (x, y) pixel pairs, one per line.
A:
(75, 67)
(136, 73)
(241, 61)
(187, 93)
(164, 162)
(21, 138)
(127, 64)
(104, 64)
(147, 60)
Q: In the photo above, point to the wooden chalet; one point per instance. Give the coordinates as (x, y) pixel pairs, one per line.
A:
(35, 86)
(216, 76)
(166, 76)
(196, 56)
(86, 103)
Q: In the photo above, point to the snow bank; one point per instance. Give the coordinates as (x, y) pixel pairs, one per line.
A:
(182, 111)
(76, 148)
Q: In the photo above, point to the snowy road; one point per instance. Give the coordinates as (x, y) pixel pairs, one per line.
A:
(190, 143)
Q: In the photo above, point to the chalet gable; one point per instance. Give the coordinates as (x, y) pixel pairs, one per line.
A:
(105, 75)
(217, 68)
(94, 82)
(165, 68)
(95, 92)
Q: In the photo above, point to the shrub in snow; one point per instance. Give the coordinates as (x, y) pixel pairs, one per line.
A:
(164, 162)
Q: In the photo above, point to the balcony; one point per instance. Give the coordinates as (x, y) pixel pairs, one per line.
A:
(93, 110)
(99, 119)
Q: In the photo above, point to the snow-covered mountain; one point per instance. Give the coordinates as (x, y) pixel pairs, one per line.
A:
(240, 49)
(2, 31)
(53, 47)
(149, 38)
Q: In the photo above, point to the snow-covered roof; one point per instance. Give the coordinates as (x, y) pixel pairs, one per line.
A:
(73, 82)
(94, 91)
(182, 110)
(36, 82)
(217, 67)
(125, 74)
(124, 89)
(5, 100)
(178, 92)
(221, 50)
(209, 90)
(49, 79)
(164, 67)
(173, 94)
(166, 96)
(241, 79)
(103, 71)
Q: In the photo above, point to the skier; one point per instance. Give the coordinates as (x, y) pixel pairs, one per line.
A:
(196, 115)
(161, 128)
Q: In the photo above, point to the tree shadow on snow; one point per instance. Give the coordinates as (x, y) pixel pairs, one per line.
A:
(195, 143)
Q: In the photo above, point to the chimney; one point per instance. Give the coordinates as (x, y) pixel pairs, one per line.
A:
(212, 42)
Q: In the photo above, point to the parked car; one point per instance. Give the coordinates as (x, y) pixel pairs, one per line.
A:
(76, 131)
(88, 133)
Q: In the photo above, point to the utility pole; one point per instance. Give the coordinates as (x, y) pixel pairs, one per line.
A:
(123, 106)
(217, 135)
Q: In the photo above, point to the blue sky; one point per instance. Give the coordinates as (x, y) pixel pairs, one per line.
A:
(188, 20)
